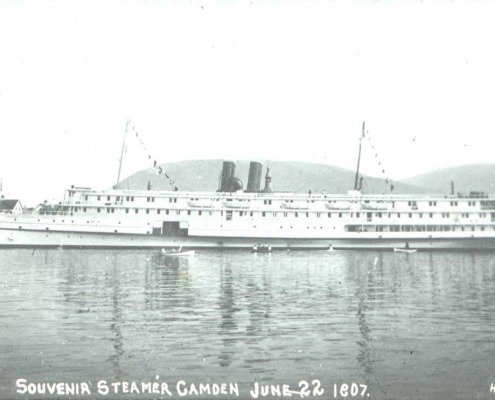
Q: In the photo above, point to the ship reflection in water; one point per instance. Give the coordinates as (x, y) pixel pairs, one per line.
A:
(409, 326)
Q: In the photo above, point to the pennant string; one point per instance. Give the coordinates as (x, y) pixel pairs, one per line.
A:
(158, 168)
(381, 168)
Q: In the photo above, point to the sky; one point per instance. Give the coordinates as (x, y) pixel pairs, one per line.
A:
(277, 80)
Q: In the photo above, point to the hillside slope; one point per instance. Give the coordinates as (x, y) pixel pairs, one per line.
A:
(203, 175)
(467, 178)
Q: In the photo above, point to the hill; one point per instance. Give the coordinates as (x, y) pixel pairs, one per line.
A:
(203, 175)
(467, 178)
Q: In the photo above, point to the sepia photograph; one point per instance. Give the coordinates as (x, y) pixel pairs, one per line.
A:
(247, 200)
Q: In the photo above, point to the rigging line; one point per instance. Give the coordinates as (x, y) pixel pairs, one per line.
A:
(381, 168)
(359, 159)
(122, 154)
(158, 168)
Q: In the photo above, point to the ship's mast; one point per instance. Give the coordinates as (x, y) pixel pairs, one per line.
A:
(122, 154)
(356, 180)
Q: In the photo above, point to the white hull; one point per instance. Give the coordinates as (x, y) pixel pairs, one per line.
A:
(34, 239)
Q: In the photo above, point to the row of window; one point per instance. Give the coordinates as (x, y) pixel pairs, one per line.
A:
(414, 228)
(130, 198)
(296, 214)
(412, 203)
(109, 198)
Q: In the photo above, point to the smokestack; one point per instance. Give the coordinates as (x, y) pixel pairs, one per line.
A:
(254, 178)
(228, 172)
(452, 187)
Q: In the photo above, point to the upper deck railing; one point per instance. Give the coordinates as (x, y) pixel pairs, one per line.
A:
(275, 195)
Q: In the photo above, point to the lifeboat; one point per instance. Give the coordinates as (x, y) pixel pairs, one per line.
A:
(200, 203)
(261, 249)
(236, 204)
(404, 250)
(337, 205)
(295, 206)
(375, 205)
(177, 253)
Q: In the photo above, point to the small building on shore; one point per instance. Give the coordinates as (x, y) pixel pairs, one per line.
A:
(10, 206)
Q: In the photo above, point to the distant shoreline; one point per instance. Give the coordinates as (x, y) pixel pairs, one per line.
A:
(297, 176)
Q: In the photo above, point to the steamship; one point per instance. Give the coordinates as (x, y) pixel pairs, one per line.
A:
(234, 217)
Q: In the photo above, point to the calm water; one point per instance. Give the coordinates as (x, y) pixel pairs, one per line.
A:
(418, 326)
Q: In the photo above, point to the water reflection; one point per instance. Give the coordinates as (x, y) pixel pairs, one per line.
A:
(372, 316)
(228, 326)
(116, 320)
(364, 342)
